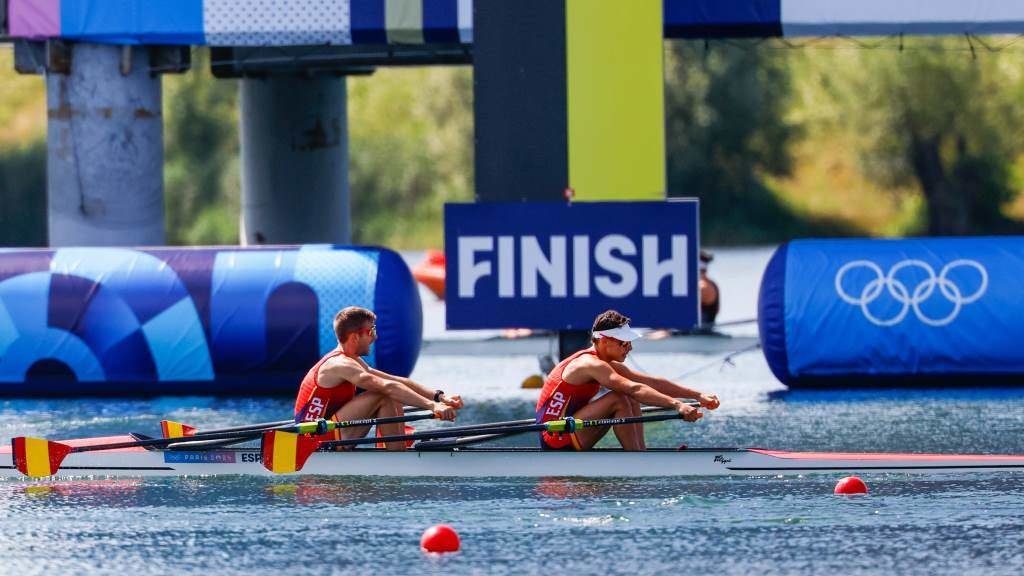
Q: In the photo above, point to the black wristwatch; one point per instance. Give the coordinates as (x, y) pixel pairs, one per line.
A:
(437, 395)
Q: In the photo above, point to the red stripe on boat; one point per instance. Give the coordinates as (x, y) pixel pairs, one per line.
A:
(882, 456)
(6, 449)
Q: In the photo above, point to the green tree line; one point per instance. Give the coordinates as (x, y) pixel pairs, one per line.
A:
(828, 140)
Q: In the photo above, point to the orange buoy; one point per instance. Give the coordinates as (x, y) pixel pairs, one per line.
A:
(851, 485)
(431, 272)
(439, 539)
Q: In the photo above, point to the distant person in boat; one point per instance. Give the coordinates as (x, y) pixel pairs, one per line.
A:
(343, 386)
(709, 296)
(571, 386)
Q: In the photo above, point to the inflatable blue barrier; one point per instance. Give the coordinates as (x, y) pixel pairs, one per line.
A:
(924, 312)
(162, 321)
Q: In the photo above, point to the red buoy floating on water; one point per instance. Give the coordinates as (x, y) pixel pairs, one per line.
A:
(441, 538)
(851, 485)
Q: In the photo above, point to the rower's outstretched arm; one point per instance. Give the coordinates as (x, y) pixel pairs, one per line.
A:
(356, 374)
(454, 401)
(666, 386)
(641, 392)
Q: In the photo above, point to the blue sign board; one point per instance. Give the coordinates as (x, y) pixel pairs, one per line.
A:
(557, 265)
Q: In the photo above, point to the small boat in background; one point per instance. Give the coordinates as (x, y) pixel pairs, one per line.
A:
(430, 272)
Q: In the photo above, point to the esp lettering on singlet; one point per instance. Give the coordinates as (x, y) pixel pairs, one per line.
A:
(314, 402)
(559, 399)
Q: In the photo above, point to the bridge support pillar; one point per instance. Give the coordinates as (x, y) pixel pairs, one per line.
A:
(294, 150)
(105, 148)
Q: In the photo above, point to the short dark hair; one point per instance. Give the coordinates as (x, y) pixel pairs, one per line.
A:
(351, 319)
(608, 320)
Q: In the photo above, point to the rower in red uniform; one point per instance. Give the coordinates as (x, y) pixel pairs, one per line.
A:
(571, 386)
(341, 385)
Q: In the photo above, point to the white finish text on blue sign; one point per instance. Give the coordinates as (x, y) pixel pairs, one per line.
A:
(594, 265)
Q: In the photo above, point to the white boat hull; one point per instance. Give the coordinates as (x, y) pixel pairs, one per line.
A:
(478, 462)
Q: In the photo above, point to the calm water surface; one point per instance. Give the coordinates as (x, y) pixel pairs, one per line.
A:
(951, 524)
(908, 524)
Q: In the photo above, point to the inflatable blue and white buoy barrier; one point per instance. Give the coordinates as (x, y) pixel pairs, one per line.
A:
(927, 312)
(154, 321)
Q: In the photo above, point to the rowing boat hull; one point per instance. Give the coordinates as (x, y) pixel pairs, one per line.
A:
(478, 462)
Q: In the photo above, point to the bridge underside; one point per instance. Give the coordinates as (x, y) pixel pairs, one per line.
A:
(440, 22)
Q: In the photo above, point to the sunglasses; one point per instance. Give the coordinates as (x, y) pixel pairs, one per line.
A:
(621, 343)
(372, 330)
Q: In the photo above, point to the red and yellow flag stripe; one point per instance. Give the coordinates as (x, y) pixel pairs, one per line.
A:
(284, 452)
(38, 458)
(172, 429)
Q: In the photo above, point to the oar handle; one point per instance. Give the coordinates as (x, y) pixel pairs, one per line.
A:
(571, 424)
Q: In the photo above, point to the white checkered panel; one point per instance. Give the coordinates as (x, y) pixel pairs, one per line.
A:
(276, 22)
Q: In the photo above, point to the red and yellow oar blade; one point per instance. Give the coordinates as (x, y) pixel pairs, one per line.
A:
(174, 429)
(284, 452)
(38, 458)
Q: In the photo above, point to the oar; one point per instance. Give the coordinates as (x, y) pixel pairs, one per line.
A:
(283, 453)
(567, 425)
(38, 457)
(172, 429)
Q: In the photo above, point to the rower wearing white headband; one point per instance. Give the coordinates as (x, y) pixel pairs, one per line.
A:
(570, 388)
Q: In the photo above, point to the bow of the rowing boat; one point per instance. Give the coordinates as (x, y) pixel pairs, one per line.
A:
(777, 461)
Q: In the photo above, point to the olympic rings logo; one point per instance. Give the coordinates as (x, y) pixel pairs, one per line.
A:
(907, 299)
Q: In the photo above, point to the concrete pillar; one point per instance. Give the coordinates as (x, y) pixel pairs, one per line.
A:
(294, 160)
(105, 149)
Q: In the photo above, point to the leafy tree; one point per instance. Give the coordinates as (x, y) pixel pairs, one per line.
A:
(941, 119)
(410, 151)
(201, 177)
(727, 130)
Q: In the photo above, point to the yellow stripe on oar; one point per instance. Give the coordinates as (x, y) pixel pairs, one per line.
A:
(172, 429)
(285, 444)
(36, 457)
(285, 452)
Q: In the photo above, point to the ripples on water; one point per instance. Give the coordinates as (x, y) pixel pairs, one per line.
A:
(252, 525)
(908, 524)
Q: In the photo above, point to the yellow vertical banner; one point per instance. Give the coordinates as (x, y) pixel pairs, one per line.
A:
(615, 99)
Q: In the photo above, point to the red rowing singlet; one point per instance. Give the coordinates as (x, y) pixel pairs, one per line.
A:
(315, 402)
(559, 398)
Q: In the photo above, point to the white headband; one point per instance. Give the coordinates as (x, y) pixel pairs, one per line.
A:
(623, 333)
